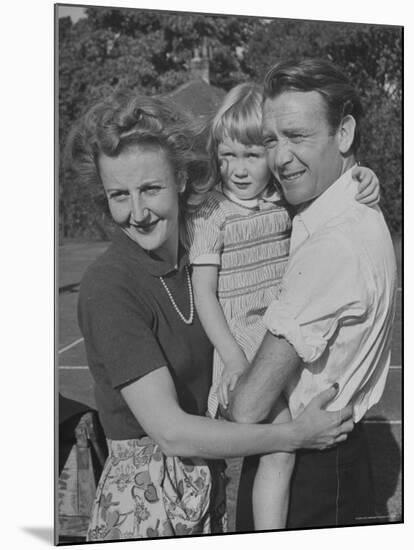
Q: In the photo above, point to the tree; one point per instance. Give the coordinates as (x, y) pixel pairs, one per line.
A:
(372, 57)
(141, 50)
(150, 51)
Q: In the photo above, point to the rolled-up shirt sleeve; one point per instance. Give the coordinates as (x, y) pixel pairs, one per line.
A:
(324, 286)
(205, 233)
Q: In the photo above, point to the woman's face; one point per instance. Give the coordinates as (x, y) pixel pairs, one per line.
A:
(142, 195)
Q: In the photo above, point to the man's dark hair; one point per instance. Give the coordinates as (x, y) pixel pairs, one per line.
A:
(319, 75)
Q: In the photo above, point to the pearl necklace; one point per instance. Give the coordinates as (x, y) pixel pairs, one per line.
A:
(177, 309)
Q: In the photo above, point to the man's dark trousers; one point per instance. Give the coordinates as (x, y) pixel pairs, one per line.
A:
(328, 488)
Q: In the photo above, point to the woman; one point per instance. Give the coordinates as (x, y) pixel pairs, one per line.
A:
(147, 351)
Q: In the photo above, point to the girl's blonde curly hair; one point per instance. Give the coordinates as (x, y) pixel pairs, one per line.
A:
(239, 118)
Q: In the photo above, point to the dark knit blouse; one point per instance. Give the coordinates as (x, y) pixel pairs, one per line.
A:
(131, 328)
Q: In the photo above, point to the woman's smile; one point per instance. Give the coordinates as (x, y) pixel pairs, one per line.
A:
(145, 227)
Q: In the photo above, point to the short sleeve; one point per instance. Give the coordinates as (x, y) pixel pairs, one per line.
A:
(323, 287)
(205, 233)
(117, 329)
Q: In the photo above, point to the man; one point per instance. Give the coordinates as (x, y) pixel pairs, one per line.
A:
(333, 319)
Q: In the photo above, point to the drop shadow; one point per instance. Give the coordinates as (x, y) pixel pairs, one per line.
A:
(44, 534)
(386, 463)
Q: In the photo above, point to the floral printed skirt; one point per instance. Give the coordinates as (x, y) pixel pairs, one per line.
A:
(144, 494)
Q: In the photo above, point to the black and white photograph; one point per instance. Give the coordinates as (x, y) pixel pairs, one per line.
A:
(228, 274)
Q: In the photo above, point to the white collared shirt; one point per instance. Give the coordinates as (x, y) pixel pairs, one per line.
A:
(336, 305)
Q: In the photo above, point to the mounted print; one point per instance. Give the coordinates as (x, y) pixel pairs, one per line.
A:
(229, 257)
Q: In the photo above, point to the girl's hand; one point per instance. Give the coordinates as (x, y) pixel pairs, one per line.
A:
(320, 429)
(231, 373)
(368, 188)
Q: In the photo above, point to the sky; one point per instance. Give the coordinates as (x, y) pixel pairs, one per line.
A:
(74, 11)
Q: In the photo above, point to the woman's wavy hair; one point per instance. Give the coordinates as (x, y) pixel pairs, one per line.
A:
(323, 76)
(239, 118)
(126, 119)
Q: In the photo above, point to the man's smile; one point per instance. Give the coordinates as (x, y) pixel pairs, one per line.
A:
(290, 177)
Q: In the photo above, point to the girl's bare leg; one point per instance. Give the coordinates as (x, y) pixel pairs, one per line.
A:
(272, 482)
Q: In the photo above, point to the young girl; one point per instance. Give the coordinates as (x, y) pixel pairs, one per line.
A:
(239, 246)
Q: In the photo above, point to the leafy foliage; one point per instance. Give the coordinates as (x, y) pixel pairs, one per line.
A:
(372, 57)
(135, 49)
(150, 52)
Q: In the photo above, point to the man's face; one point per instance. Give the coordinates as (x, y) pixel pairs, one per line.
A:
(302, 150)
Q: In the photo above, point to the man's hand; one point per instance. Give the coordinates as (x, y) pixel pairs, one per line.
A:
(319, 429)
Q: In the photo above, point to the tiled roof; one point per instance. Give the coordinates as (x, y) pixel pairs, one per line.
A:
(198, 98)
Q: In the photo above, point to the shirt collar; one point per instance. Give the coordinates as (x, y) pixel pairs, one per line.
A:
(267, 195)
(330, 203)
(150, 262)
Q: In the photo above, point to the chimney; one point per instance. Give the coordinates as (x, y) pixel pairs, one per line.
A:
(200, 65)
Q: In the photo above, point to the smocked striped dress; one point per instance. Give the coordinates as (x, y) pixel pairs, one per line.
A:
(249, 241)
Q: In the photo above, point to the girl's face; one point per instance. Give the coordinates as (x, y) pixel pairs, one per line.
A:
(243, 168)
(142, 196)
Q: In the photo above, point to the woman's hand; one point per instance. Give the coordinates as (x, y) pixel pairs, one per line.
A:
(368, 187)
(320, 429)
(231, 373)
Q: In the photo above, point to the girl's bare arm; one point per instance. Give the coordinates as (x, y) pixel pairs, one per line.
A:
(212, 317)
